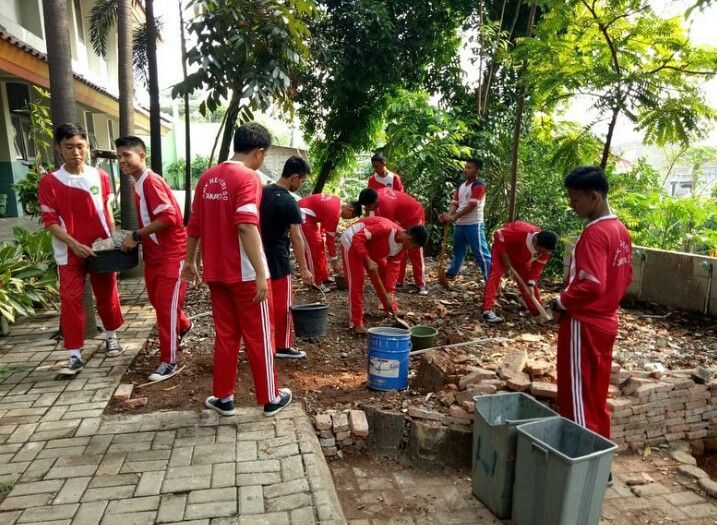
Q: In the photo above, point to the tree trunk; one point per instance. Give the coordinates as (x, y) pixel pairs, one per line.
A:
(324, 175)
(187, 144)
(608, 138)
(230, 122)
(517, 129)
(128, 212)
(62, 103)
(155, 120)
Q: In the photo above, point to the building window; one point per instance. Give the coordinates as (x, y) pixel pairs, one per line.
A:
(18, 97)
(111, 133)
(79, 25)
(90, 126)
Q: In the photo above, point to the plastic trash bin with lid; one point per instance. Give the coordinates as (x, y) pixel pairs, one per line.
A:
(561, 473)
(494, 439)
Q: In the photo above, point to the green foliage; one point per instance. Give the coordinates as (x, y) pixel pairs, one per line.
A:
(27, 274)
(627, 59)
(254, 47)
(41, 133)
(174, 173)
(363, 51)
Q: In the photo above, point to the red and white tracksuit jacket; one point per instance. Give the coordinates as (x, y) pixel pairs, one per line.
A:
(516, 240)
(600, 272)
(373, 237)
(163, 253)
(321, 213)
(404, 210)
(387, 180)
(227, 195)
(78, 204)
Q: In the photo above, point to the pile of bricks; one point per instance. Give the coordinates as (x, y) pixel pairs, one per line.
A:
(340, 429)
(653, 411)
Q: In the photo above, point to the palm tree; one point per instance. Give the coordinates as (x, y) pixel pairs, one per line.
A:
(62, 101)
(155, 122)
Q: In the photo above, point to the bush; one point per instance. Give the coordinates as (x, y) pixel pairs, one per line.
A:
(28, 277)
(174, 173)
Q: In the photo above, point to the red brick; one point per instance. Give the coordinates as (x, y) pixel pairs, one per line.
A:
(322, 421)
(124, 392)
(340, 422)
(358, 423)
(540, 389)
(134, 403)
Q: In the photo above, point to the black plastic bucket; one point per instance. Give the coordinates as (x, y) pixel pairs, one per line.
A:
(310, 320)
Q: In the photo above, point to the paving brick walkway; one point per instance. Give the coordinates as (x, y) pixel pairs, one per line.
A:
(69, 464)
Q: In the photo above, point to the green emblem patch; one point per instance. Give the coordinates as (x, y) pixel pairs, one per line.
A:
(94, 190)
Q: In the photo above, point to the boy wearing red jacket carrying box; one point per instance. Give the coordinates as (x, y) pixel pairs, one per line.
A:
(525, 248)
(600, 272)
(374, 244)
(74, 201)
(225, 218)
(164, 242)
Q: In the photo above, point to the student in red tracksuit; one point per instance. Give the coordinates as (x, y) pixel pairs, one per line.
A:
(371, 244)
(600, 272)
(381, 177)
(225, 220)
(321, 213)
(164, 242)
(404, 210)
(525, 248)
(74, 201)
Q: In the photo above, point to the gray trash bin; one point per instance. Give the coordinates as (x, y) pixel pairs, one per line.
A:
(494, 439)
(561, 474)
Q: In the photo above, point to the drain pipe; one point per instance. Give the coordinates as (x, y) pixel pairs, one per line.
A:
(707, 265)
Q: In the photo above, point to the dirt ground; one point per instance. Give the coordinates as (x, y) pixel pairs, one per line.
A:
(334, 373)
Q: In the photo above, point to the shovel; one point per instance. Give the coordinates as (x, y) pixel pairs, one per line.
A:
(382, 290)
(524, 288)
(442, 279)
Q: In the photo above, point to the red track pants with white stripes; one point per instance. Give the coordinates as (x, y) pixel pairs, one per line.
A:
(315, 251)
(492, 285)
(355, 272)
(281, 301)
(416, 255)
(237, 318)
(72, 309)
(584, 365)
(166, 293)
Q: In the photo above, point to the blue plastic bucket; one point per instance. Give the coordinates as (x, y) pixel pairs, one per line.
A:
(388, 350)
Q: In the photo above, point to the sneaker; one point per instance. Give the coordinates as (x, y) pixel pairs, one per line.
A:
(491, 317)
(73, 366)
(290, 353)
(163, 371)
(422, 290)
(225, 408)
(399, 286)
(322, 288)
(271, 409)
(184, 332)
(113, 347)
(358, 329)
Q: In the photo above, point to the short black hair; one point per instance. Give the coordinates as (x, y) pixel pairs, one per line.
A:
(295, 165)
(419, 235)
(69, 130)
(356, 205)
(131, 141)
(251, 136)
(378, 157)
(547, 240)
(587, 178)
(368, 196)
(478, 163)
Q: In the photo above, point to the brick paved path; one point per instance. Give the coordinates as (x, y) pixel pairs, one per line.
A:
(70, 464)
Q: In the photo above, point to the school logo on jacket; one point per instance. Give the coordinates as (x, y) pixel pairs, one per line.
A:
(94, 190)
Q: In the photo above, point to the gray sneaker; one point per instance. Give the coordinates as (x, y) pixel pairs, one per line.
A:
(73, 367)
(491, 317)
(163, 371)
(113, 347)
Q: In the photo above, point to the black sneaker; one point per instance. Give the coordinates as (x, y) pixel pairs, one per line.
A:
(399, 286)
(183, 333)
(73, 366)
(290, 353)
(491, 317)
(225, 408)
(271, 409)
(113, 347)
(163, 371)
(609, 480)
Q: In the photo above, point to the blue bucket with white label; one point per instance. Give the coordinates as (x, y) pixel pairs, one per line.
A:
(388, 355)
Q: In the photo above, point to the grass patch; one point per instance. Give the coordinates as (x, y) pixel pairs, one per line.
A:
(6, 371)
(6, 487)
